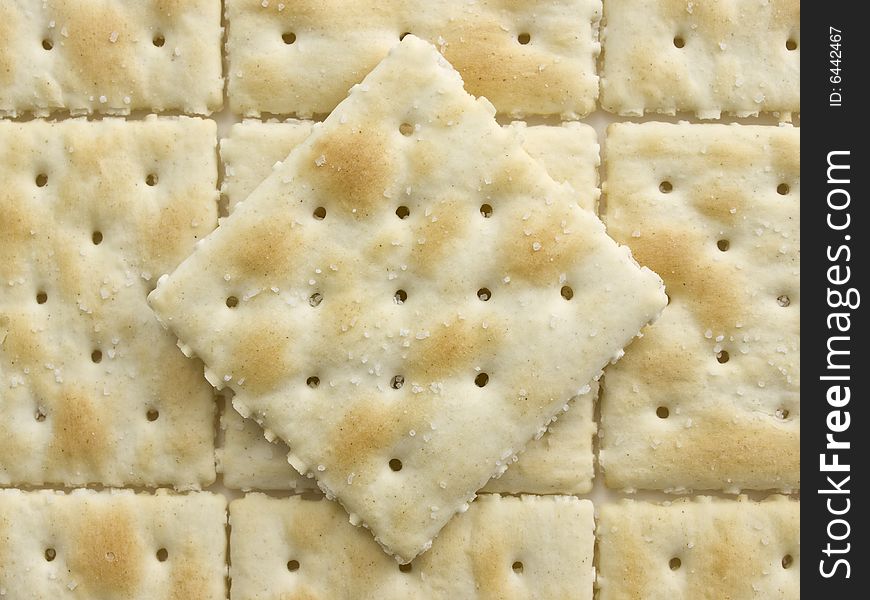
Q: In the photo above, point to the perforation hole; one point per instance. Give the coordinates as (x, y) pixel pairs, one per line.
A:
(486, 211)
(395, 464)
(783, 301)
(47, 44)
(152, 415)
(679, 42)
(158, 40)
(404, 35)
(50, 554)
(41, 298)
(97, 356)
(791, 45)
(319, 213)
(783, 189)
(481, 380)
(406, 568)
(517, 567)
(723, 357)
(39, 415)
(403, 212)
(483, 294)
(397, 382)
(41, 180)
(292, 565)
(289, 37)
(723, 245)
(662, 412)
(524, 38)
(162, 554)
(781, 414)
(312, 381)
(151, 179)
(315, 299)
(97, 238)
(400, 296)
(787, 561)
(567, 292)
(666, 187)
(406, 129)
(232, 302)
(675, 563)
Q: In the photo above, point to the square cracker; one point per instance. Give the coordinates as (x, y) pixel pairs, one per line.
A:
(86, 56)
(709, 398)
(300, 57)
(89, 545)
(92, 388)
(739, 57)
(703, 548)
(437, 339)
(511, 547)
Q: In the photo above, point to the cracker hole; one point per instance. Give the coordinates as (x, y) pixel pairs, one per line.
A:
(312, 381)
(404, 35)
(39, 415)
(50, 554)
(151, 179)
(403, 212)
(406, 568)
(397, 382)
(41, 180)
(517, 566)
(723, 357)
(524, 38)
(791, 45)
(783, 189)
(232, 302)
(47, 44)
(395, 464)
(292, 565)
(675, 563)
(679, 42)
(666, 187)
(400, 296)
(315, 299)
(781, 414)
(787, 561)
(152, 415)
(41, 298)
(483, 294)
(406, 129)
(662, 412)
(481, 380)
(783, 301)
(486, 211)
(567, 292)
(319, 213)
(289, 37)
(158, 40)
(97, 238)
(97, 356)
(162, 555)
(723, 245)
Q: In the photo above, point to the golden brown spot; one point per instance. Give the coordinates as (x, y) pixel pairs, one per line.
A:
(717, 197)
(265, 249)
(170, 235)
(81, 432)
(490, 564)
(440, 234)
(105, 551)
(190, 575)
(451, 350)
(263, 358)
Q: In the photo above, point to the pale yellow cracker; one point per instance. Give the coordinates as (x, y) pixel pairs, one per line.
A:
(510, 547)
(89, 545)
(738, 57)
(92, 388)
(709, 398)
(420, 340)
(87, 56)
(300, 57)
(700, 548)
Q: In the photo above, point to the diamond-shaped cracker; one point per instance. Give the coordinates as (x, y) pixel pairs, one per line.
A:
(503, 547)
(700, 548)
(92, 388)
(300, 57)
(393, 300)
(112, 545)
(709, 398)
(86, 56)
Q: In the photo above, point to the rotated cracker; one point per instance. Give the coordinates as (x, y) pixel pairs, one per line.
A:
(89, 545)
(739, 57)
(675, 414)
(86, 56)
(511, 547)
(92, 388)
(704, 548)
(265, 318)
(301, 57)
